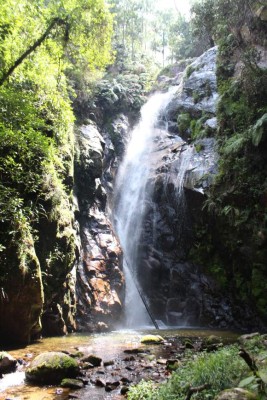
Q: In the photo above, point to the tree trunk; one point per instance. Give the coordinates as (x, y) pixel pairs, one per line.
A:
(32, 48)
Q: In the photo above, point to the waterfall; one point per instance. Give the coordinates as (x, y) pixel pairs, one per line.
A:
(132, 194)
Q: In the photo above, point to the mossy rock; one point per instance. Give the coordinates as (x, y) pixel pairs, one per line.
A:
(72, 383)
(152, 339)
(236, 394)
(52, 368)
(212, 339)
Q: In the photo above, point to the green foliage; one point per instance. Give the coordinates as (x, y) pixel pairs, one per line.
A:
(182, 40)
(259, 130)
(220, 370)
(214, 19)
(40, 41)
(197, 127)
(73, 30)
(183, 122)
(234, 144)
(233, 245)
(143, 391)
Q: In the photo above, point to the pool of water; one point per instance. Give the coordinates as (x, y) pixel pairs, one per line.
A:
(108, 346)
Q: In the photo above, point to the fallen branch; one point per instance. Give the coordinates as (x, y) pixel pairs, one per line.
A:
(196, 389)
(249, 361)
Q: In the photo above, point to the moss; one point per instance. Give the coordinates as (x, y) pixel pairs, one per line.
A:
(72, 383)
(189, 71)
(183, 122)
(51, 368)
(152, 339)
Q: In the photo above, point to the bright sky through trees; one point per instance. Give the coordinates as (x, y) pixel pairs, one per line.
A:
(181, 5)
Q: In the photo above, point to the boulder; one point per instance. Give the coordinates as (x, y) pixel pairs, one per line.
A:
(7, 363)
(152, 339)
(51, 368)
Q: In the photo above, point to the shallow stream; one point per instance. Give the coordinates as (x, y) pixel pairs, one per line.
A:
(109, 346)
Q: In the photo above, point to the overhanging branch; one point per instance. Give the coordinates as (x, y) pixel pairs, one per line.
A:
(32, 48)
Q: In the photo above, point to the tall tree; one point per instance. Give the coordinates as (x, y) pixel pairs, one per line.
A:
(72, 29)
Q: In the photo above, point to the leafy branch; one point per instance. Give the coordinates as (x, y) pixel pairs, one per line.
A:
(55, 21)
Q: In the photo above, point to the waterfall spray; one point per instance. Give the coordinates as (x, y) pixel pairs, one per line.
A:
(131, 195)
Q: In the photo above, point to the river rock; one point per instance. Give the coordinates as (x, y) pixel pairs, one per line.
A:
(92, 359)
(72, 383)
(7, 363)
(52, 368)
(152, 339)
(236, 394)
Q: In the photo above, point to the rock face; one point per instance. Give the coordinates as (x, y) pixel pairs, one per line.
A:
(100, 284)
(179, 292)
(24, 290)
(197, 94)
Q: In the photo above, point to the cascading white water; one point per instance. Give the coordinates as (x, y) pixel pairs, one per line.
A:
(131, 194)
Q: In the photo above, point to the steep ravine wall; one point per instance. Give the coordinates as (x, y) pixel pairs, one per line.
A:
(100, 282)
(180, 291)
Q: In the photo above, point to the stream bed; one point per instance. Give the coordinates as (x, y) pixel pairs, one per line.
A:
(126, 360)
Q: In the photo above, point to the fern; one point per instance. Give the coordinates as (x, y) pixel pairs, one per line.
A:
(234, 144)
(258, 131)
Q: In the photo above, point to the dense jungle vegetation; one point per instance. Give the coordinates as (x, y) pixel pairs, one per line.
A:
(52, 56)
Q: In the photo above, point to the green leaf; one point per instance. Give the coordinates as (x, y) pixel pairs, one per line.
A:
(246, 381)
(259, 130)
(263, 375)
(234, 144)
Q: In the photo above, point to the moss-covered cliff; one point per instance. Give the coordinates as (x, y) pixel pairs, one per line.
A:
(232, 238)
(39, 44)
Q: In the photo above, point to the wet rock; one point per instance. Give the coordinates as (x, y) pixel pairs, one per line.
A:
(102, 327)
(86, 365)
(52, 368)
(198, 92)
(172, 364)
(100, 282)
(236, 394)
(111, 386)
(108, 363)
(124, 390)
(152, 339)
(162, 361)
(72, 383)
(7, 363)
(99, 382)
(125, 380)
(212, 343)
(188, 344)
(133, 351)
(93, 360)
(131, 358)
